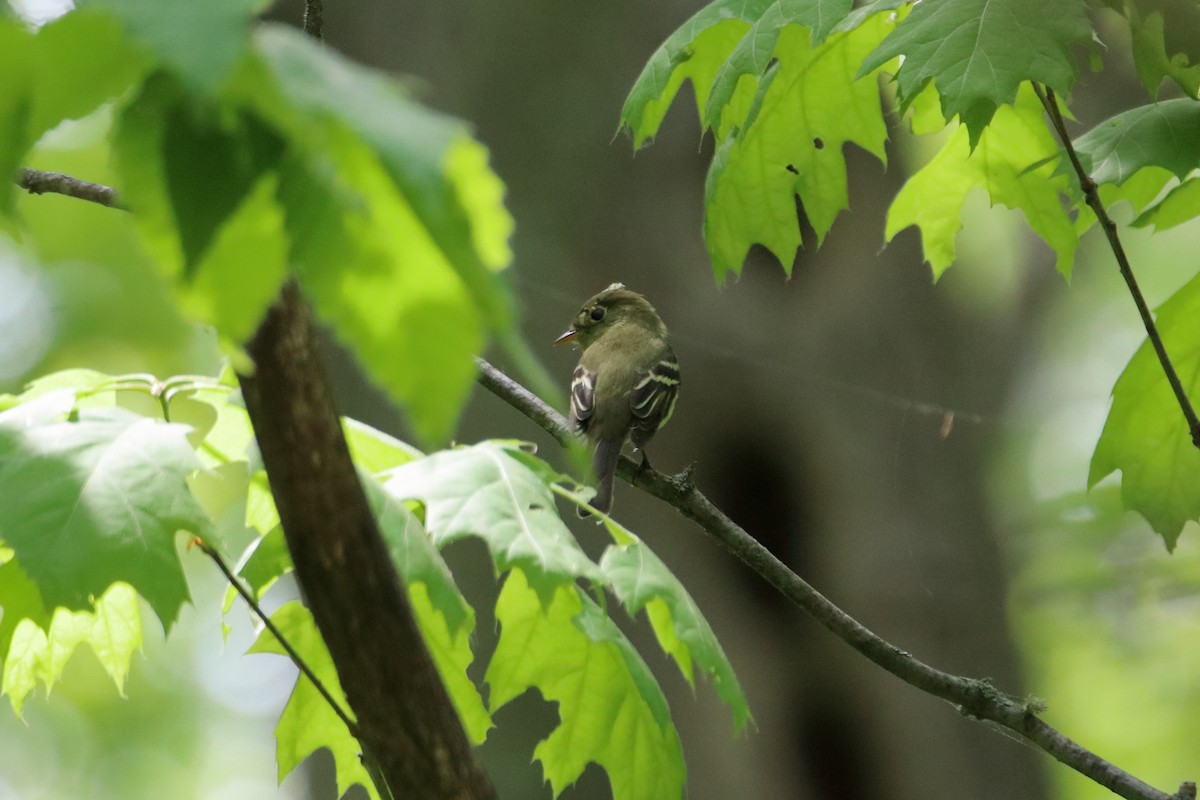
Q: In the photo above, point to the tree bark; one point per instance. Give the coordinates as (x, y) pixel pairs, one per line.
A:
(405, 720)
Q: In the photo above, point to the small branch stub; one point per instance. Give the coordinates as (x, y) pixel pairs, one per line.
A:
(36, 181)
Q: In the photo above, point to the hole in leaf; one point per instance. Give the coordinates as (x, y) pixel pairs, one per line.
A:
(792, 169)
(818, 143)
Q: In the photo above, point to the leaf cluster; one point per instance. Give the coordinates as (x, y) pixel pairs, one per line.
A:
(99, 479)
(249, 156)
(784, 86)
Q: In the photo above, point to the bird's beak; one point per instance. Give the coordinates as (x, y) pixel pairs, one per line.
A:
(567, 336)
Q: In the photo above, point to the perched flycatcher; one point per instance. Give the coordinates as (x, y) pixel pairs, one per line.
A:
(627, 380)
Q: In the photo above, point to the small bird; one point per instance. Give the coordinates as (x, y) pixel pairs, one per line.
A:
(626, 383)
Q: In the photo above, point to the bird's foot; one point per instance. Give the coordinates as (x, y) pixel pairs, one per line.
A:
(642, 467)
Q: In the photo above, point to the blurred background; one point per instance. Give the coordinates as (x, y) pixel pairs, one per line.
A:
(918, 452)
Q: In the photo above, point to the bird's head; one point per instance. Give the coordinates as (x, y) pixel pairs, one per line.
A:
(607, 309)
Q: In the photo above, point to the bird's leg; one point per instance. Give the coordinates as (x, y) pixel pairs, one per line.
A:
(645, 465)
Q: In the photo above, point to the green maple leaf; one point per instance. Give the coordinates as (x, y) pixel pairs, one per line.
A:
(641, 581)
(1145, 435)
(445, 618)
(808, 106)
(611, 710)
(265, 560)
(308, 723)
(203, 187)
(16, 102)
(83, 59)
(1180, 205)
(113, 629)
(374, 451)
(384, 285)
(693, 52)
(243, 267)
(484, 491)
(1002, 163)
(1163, 135)
(438, 169)
(19, 599)
(201, 42)
(1161, 46)
(977, 52)
(95, 500)
(754, 52)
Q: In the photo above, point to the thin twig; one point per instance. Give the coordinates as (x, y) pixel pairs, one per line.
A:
(297, 659)
(973, 697)
(370, 763)
(35, 181)
(1091, 193)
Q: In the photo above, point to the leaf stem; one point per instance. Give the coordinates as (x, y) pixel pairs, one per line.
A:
(974, 698)
(370, 763)
(1091, 193)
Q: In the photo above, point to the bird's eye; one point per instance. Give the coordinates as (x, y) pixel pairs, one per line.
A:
(597, 313)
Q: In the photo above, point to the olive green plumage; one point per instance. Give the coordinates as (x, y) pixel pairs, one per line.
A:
(627, 380)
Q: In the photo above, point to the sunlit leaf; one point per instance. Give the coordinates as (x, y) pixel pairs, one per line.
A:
(16, 103)
(1163, 135)
(83, 59)
(482, 491)
(1016, 139)
(201, 42)
(807, 108)
(376, 276)
(693, 52)
(1153, 57)
(610, 708)
(19, 599)
(441, 176)
(113, 629)
(308, 723)
(978, 52)
(1145, 435)
(95, 500)
(1179, 206)
(755, 52)
(640, 579)
(373, 450)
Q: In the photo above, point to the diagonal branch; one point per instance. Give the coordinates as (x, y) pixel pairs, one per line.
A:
(974, 698)
(1091, 193)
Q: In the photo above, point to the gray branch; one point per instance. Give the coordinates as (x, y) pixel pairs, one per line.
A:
(36, 181)
(973, 697)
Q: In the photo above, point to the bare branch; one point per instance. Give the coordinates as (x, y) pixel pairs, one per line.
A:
(1091, 193)
(973, 697)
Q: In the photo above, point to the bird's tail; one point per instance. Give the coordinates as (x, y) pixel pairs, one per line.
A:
(604, 465)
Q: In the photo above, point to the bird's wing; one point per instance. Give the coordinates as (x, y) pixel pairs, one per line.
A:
(652, 400)
(583, 398)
